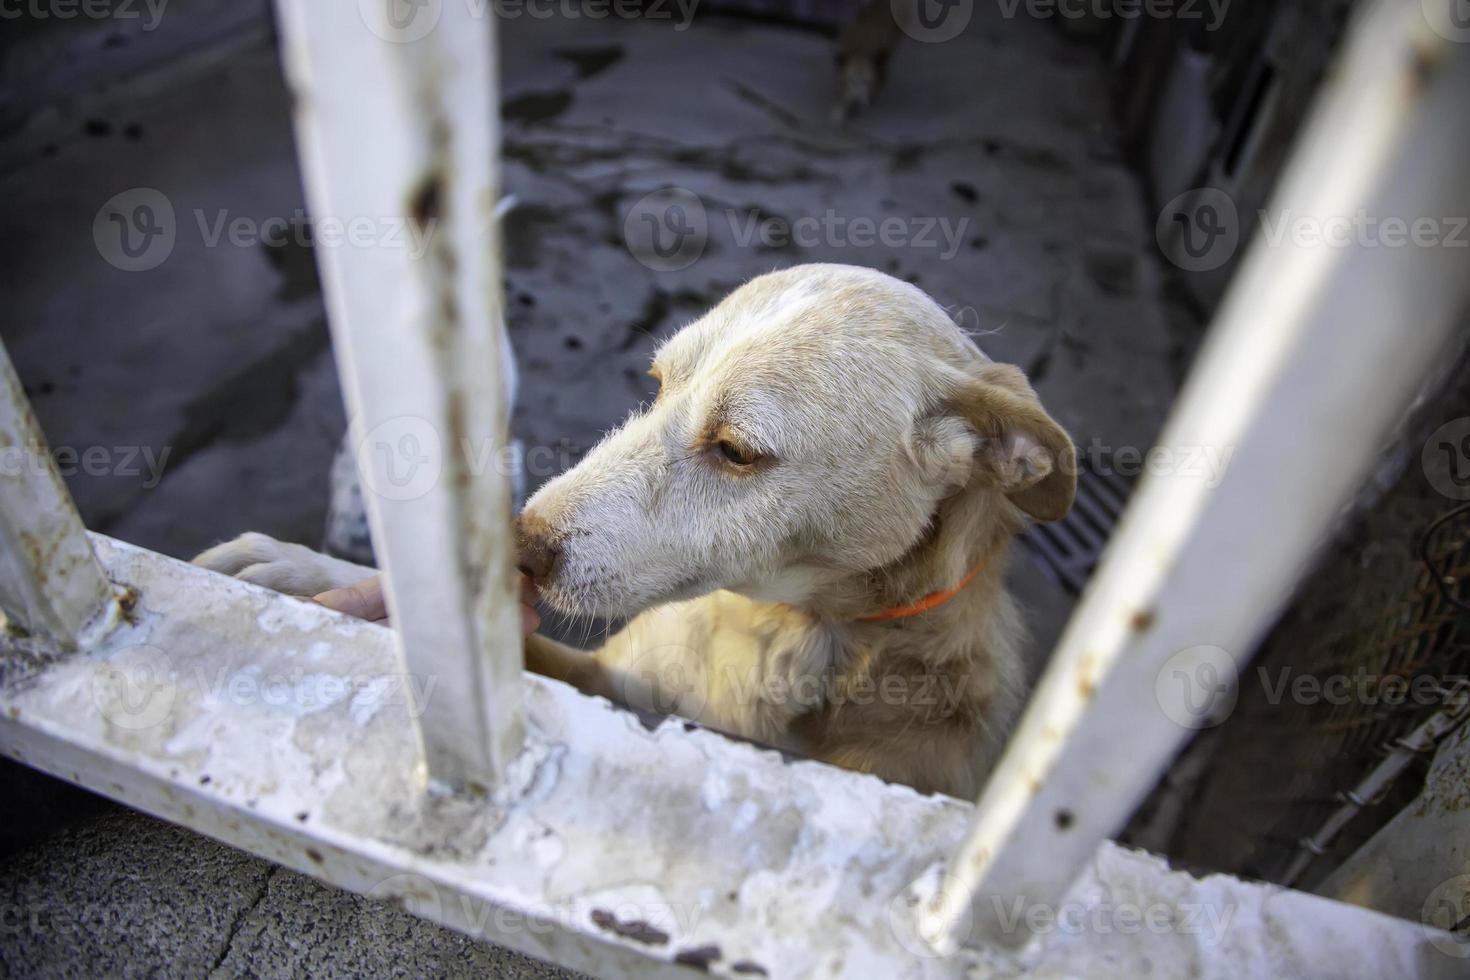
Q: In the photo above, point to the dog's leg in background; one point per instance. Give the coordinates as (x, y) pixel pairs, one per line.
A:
(862, 57)
(290, 568)
(579, 668)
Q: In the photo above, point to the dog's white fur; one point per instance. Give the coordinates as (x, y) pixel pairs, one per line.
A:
(826, 445)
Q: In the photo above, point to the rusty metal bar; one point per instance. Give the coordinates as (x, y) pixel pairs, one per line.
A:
(50, 583)
(397, 125)
(1316, 351)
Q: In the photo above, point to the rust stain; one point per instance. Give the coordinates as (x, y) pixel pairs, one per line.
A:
(1142, 621)
(699, 957)
(127, 604)
(1424, 64)
(426, 204)
(636, 930)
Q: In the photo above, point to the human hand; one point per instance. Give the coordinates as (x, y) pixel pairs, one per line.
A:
(365, 600)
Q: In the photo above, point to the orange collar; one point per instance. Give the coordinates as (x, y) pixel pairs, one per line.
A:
(925, 604)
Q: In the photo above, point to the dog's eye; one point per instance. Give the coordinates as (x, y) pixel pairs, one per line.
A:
(735, 454)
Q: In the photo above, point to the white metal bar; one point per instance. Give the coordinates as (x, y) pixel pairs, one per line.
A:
(279, 727)
(397, 128)
(50, 583)
(1314, 355)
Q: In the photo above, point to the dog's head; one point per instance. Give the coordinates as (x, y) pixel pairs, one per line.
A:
(806, 429)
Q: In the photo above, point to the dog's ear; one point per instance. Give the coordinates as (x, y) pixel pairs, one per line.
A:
(1020, 448)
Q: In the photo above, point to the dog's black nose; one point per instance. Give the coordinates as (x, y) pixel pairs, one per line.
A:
(537, 548)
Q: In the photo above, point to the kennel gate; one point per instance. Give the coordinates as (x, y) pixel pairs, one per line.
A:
(422, 766)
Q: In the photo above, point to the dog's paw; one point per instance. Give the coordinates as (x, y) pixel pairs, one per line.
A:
(290, 568)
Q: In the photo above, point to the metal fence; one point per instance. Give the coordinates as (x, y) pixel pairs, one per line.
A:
(422, 765)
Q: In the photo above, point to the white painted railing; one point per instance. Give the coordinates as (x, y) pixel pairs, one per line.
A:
(517, 810)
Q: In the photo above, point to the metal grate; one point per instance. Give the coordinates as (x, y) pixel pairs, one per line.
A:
(1338, 719)
(1070, 549)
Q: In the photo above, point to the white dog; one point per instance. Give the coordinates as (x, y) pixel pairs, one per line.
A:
(808, 530)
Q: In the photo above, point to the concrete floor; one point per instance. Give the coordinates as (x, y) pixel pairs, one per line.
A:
(220, 354)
